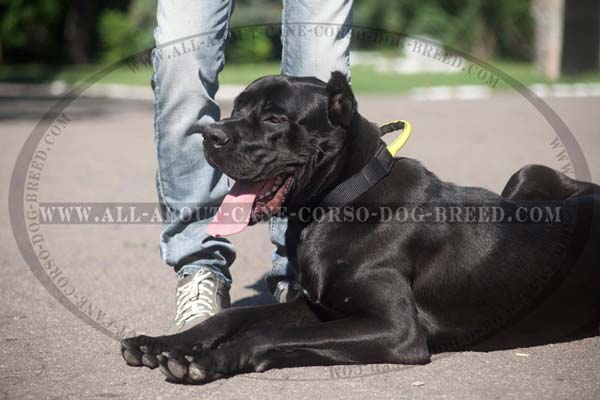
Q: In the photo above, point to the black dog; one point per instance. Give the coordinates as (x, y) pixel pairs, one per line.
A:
(383, 292)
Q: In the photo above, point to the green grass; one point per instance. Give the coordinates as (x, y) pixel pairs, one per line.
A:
(35, 73)
(364, 78)
(243, 74)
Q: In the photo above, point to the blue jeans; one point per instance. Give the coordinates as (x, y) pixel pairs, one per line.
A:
(190, 40)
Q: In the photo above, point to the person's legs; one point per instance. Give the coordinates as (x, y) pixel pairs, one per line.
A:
(316, 41)
(316, 37)
(190, 40)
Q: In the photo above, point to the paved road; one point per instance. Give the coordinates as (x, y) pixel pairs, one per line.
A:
(106, 154)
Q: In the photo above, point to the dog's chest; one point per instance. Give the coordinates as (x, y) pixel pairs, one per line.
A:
(327, 269)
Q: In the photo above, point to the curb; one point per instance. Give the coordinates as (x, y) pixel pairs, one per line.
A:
(476, 92)
(227, 93)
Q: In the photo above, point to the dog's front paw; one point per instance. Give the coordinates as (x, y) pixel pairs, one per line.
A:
(178, 364)
(197, 367)
(143, 350)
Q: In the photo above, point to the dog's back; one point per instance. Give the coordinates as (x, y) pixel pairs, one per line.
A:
(572, 306)
(508, 284)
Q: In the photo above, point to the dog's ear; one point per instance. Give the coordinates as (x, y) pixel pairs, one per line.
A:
(341, 103)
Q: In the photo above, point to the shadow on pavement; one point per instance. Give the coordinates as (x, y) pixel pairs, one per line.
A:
(34, 108)
(262, 296)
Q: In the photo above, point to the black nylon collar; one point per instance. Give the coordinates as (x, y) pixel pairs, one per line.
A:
(352, 188)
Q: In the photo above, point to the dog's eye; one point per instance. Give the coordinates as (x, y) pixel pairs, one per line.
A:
(276, 119)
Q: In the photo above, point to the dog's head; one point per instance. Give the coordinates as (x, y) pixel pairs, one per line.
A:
(285, 139)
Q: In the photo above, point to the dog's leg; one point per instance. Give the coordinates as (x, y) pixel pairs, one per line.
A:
(255, 339)
(541, 183)
(227, 326)
(352, 340)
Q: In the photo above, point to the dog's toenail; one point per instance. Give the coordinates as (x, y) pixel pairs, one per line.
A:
(150, 361)
(162, 366)
(179, 371)
(132, 358)
(197, 374)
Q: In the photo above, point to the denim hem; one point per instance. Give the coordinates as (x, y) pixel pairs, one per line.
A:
(193, 268)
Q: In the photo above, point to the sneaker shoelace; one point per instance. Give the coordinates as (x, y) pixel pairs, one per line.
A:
(195, 298)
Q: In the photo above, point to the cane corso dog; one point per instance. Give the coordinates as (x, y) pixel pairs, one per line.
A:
(384, 291)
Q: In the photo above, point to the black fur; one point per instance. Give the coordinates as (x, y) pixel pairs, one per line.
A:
(392, 292)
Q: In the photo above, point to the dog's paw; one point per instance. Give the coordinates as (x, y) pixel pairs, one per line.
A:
(192, 368)
(143, 351)
(181, 365)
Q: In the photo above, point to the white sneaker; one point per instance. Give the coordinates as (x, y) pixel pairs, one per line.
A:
(199, 296)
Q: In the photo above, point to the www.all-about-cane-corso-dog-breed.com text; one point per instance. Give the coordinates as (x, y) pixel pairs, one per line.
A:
(393, 290)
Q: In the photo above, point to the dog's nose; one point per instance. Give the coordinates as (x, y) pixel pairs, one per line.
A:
(215, 137)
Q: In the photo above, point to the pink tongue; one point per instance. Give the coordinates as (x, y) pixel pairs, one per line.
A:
(235, 210)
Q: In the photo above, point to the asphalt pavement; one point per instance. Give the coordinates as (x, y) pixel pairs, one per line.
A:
(106, 154)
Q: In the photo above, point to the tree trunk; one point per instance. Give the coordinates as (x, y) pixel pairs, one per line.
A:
(485, 41)
(548, 16)
(80, 30)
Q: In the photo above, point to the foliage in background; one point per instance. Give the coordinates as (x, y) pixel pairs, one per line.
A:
(31, 29)
(487, 27)
(83, 31)
(127, 32)
(513, 21)
(248, 46)
(123, 33)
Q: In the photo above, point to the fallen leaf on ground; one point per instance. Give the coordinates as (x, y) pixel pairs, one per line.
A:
(522, 354)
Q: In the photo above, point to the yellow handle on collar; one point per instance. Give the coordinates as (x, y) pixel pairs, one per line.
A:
(401, 140)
